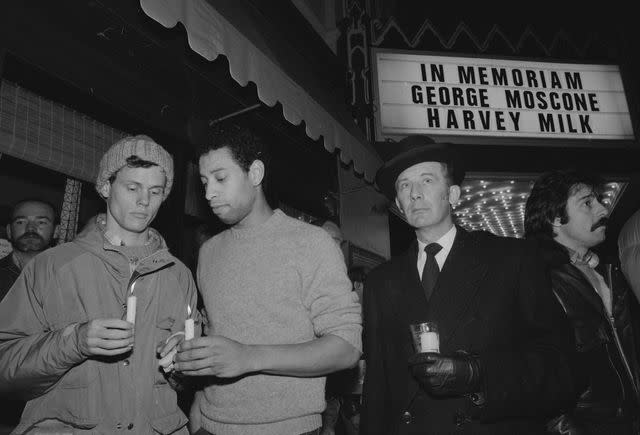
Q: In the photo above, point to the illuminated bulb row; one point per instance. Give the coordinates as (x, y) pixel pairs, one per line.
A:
(506, 216)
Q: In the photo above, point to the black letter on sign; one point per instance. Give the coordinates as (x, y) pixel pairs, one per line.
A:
(433, 119)
(469, 123)
(467, 77)
(584, 124)
(499, 76)
(574, 81)
(485, 118)
(500, 120)
(593, 102)
(437, 73)
(515, 117)
(513, 99)
(416, 94)
(546, 124)
(517, 77)
(452, 122)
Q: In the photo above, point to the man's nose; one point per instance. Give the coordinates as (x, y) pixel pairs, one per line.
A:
(32, 225)
(415, 192)
(143, 197)
(601, 210)
(209, 193)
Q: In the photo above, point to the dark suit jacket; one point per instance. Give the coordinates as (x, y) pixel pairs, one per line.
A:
(493, 299)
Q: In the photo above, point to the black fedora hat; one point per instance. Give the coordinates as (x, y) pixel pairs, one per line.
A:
(416, 149)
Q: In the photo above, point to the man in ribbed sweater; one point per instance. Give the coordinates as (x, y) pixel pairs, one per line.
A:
(281, 311)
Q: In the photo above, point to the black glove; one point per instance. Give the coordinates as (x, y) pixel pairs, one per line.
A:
(565, 424)
(452, 375)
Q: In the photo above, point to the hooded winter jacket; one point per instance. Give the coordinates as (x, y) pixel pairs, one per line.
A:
(79, 281)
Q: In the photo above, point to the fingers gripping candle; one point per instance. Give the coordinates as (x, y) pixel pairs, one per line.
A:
(188, 325)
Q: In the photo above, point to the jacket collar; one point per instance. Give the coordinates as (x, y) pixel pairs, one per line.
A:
(92, 239)
(558, 259)
(7, 263)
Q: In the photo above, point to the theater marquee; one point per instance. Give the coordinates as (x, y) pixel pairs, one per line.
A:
(468, 96)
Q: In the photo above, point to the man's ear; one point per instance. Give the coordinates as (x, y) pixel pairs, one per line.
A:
(56, 232)
(105, 190)
(256, 172)
(8, 230)
(398, 205)
(454, 194)
(556, 222)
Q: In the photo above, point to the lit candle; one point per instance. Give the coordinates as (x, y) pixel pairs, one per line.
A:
(131, 309)
(188, 325)
(429, 342)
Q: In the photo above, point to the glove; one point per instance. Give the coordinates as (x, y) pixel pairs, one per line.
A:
(443, 375)
(565, 424)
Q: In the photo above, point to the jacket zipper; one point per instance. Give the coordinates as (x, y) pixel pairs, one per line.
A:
(611, 320)
(615, 369)
(132, 281)
(135, 275)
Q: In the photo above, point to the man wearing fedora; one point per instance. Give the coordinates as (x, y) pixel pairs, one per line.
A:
(502, 365)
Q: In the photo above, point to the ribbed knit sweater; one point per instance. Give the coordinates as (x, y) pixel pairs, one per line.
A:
(281, 282)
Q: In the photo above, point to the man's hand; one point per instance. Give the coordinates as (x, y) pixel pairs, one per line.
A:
(104, 337)
(446, 375)
(213, 356)
(167, 350)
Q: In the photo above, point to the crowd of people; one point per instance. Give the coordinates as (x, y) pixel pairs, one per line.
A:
(100, 334)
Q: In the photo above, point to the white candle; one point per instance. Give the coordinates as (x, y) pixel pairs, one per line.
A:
(188, 329)
(429, 342)
(131, 309)
(188, 325)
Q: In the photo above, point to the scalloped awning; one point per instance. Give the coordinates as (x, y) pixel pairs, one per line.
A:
(210, 33)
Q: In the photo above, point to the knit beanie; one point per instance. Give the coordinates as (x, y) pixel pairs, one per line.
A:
(141, 146)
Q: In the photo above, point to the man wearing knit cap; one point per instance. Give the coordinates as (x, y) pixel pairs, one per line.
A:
(278, 300)
(65, 345)
(500, 365)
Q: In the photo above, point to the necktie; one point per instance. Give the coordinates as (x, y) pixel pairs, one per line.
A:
(431, 269)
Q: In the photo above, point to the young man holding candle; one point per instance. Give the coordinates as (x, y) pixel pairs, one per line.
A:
(279, 304)
(65, 345)
(503, 341)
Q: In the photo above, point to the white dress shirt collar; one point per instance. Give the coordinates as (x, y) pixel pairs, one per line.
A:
(446, 241)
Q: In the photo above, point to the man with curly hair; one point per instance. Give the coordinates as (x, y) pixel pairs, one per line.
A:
(566, 216)
(278, 300)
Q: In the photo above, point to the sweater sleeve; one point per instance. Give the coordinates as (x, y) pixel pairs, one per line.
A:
(33, 357)
(334, 307)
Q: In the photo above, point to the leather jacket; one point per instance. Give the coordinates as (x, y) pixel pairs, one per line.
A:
(605, 362)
